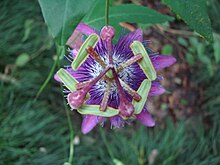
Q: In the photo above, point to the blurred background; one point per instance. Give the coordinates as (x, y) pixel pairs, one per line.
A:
(36, 132)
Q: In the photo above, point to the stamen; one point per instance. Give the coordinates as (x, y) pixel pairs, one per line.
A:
(131, 61)
(76, 99)
(95, 56)
(130, 91)
(107, 33)
(126, 109)
(104, 103)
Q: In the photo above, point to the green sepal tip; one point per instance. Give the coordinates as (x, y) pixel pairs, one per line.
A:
(143, 91)
(82, 53)
(94, 110)
(145, 64)
(67, 79)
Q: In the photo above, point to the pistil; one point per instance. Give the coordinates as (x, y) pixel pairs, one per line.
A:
(95, 56)
(130, 91)
(131, 61)
(104, 103)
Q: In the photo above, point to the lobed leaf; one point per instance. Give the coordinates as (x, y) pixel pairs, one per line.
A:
(143, 91)
(82, 53)
(94, 110)
(145, 64)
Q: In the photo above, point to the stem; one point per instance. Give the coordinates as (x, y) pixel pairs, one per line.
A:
(71, 151)
(107, 12)
(71, 134)
(59, 52)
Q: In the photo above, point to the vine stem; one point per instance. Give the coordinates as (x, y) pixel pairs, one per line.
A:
(70, 124)
(107, 12)
(71, 151)
(60, 50)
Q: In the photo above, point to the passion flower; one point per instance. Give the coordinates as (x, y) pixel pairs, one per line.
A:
(107, 80)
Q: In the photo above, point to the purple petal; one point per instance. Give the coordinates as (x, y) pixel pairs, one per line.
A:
(127, 40)
(160, 61)
(156, 89)
(74, 53)
(145, 118)
(89, 122)
(135, 35)
(117, 122)
(85, 29)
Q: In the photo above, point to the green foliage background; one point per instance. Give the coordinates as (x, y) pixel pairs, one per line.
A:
(36, 132)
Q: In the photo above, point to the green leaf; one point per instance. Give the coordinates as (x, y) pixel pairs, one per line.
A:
(22, 59)
(216, 47)
(67, 79)
(123, 13)
(82, 53)
(167, 49)
(145, 63)
(190, 58)
(94, 110)
(62, 16)
(182, 41)
(143, 91)
(194, 13)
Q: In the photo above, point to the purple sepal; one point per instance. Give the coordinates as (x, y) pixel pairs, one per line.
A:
(156, 89)
(162, 61)
(145, 118)
(117, 122)
(89, 122)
